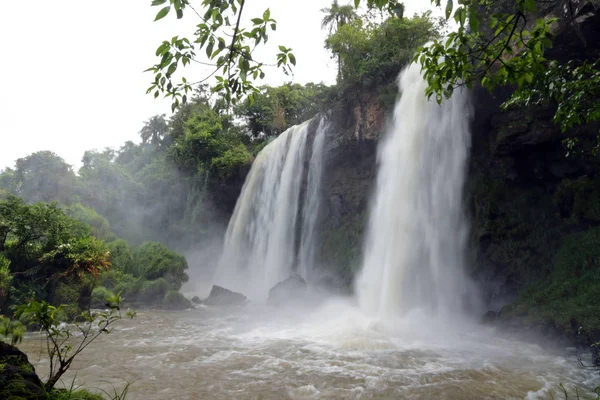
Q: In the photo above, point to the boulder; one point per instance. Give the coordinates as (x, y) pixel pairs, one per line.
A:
(290, 290)
(196, 300)
(489, 317)
(18, 379)
(220, 296)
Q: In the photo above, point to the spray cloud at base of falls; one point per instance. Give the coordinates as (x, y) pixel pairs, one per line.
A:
(416, 238)
(272, 232)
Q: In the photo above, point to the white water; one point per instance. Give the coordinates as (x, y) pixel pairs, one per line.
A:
(332, 352)
(260, 242)
(417, 234)
(312, 205)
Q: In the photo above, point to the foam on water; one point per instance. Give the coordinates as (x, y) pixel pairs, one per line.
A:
(333, 351)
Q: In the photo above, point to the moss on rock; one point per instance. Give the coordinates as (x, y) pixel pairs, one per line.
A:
(18, 379)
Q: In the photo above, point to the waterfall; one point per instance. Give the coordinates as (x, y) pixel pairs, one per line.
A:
(261, 243)
(416, 238)
(312, 204)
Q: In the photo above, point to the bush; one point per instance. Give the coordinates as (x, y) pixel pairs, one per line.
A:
(121, 257)
(175, 300)
(63, 394)
(157, 261)
(153, 291)
(99, 296)
(568, 298)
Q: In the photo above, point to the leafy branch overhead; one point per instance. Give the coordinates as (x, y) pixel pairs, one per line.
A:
(506, 44)
(227, 44)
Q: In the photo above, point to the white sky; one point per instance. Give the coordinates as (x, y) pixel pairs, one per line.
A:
(72, 75)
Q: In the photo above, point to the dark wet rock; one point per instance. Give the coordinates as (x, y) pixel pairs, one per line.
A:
(489, 317)
(18, 379)
(196, 300)
(331, 285)
(220, 296)
(288, 291)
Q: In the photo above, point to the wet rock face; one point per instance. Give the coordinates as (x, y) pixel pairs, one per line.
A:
(292, 290)
(220, 296)
(18, 379)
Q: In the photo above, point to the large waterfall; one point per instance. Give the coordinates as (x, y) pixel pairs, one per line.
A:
(414, 251)
(272, 230)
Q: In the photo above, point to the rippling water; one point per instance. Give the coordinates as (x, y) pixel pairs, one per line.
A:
(331, 352)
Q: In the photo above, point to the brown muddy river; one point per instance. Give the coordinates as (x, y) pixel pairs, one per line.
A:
(329, 352)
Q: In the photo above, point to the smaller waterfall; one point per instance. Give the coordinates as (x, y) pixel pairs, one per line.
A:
(269, 236)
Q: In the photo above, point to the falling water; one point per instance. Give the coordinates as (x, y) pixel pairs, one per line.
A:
(417, 233)
(261, 239)
(312, 204)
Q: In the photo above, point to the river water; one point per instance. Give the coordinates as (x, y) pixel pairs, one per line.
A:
(331, 351)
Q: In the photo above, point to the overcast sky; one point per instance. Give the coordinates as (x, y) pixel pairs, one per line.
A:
(72, 75)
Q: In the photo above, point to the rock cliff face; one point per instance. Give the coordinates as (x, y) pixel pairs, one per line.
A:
(534, 212)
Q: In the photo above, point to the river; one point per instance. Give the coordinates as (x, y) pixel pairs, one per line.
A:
(332, 351)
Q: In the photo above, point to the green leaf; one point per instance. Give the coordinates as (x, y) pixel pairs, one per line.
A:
(530, 5)
(162, 13)
(449, 7)
(356, 3)
(292, 58)
(158, 2)
(473, 19)
(257, 21)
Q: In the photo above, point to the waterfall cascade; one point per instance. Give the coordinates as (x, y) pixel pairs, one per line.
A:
(416, 238)
(272, 230)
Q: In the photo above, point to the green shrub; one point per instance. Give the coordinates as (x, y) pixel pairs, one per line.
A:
(157, 261)
(99, 296)
(231, 161)
(64, 394)
(5, 275)
(175, 300)
(568, 298)
(153, 291)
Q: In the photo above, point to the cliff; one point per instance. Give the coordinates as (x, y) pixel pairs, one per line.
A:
(534, 211)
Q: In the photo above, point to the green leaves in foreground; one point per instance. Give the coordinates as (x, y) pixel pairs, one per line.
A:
(223, 43)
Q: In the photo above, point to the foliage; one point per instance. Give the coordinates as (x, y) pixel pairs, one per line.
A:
(374, 53)
(73, 394)
(229, 52)
(86, 255)
(206, 147)
(46, 247)
(157, 261)
(570, 293)
(11, 331)
(100, 296)
(43, 176)
(498, 44)
(59, 335)
(5, 275)
(154, 130)
(575, 88)
(274, 109)
(100, 228)
(174, 299)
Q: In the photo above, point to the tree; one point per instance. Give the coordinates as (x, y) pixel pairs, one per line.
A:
(373, 54)
(45, 247)
(335, 17)
(58, 331)
(496, 43)
(154, 130)
(44, 176)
